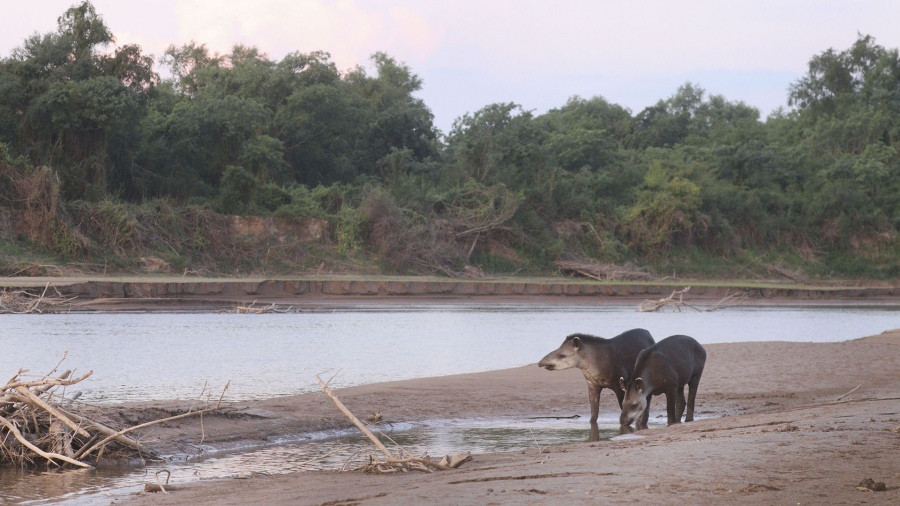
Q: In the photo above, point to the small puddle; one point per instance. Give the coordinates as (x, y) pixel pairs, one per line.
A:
(323, 451)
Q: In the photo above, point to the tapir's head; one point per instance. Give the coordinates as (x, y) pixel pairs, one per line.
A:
(635, 401)
(567, 356)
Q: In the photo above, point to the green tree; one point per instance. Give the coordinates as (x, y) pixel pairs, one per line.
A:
(68, 106)
(498, 143)
(668, 123)
(848, 105)
(396, 119)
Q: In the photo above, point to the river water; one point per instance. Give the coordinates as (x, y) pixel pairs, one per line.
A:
(140, 356)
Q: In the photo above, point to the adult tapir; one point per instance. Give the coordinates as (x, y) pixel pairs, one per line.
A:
(664, 368)
(603, 361)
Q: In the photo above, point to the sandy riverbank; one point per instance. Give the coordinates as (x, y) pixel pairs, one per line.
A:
(786, 431)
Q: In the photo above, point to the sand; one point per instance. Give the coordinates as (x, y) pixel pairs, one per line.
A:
(786, 423)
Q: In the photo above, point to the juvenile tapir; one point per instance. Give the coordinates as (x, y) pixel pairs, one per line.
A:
(603, 361)
(664, 368)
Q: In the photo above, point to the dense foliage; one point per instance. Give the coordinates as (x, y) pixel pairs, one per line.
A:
(100, 158)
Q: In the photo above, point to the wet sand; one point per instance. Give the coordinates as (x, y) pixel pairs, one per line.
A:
(788, 423)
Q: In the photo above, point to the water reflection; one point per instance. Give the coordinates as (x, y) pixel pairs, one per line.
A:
(595, 432)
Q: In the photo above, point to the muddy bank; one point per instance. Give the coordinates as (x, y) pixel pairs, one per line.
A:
(790, 423)
(113, 293)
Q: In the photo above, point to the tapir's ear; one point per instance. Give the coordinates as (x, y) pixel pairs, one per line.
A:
(639, 383)
(622, 383)
(576, 342)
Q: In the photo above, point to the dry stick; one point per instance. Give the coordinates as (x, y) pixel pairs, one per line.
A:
(169, 475)
(65, 353)
(141, 426)
(353, 419)
(49, 456)
(16, 375)
(48, 381)
(350, 459)
(200, 397)
(400, 449)
(418, 460)
(53, 411)
(42, 390)
(103, 429)
(848, 393)
(40, 299)
(154, 422)
(731, 299)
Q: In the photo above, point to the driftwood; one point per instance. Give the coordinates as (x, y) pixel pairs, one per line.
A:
(603, 272)
(780, 271)
(394, 463)
(676, 301)
(25, 301)
(848, 393)
(38, 423)
(271, 308)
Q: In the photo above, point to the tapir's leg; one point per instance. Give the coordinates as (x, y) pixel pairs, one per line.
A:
(620, 395)
(671, 400)
(645, 416)
(692, 394)
(594, 395)
(679, 404)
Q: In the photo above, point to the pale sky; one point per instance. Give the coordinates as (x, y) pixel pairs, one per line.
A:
(535, 53)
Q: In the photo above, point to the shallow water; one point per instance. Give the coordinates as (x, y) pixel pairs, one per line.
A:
(141, 356)
(332, 451)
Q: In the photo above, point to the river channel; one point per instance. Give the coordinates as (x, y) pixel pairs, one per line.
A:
(149, 355)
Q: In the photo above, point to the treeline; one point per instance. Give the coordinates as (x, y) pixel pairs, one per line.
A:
(100, 158)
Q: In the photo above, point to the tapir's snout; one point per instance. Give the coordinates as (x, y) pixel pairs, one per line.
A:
(548, 362)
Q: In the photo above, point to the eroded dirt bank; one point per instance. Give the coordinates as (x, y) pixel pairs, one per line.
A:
(794, 423)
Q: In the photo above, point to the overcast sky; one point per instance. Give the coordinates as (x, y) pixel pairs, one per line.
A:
(471, 53)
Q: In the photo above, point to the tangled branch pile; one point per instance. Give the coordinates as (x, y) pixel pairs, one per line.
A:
(271, 308)
(23, 301)
(603, 272)
(676, 301)
(39, 424)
